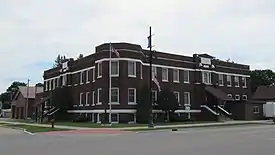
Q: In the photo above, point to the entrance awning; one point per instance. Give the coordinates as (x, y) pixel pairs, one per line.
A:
(218, 93)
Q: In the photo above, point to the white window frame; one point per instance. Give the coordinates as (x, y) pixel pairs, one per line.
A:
(186, 72)
(209, 78)
(98, 96)
(228, 79)
(50, 84)
(154, 95)
(236, 80)
(220, 78)
(87, 99)
(80, 100)
(53, 84)
(244, 81)
(93, 100)
(87, 76)
(154, 71)
(117, 102)
(64, 81)
(176, 75)
(230, 96)
(81, 77)
(244, 97)
(165, 74)
(135, 69)
(117, 115)
(93, 76)
(46, 85)
(99, 69)
(135, 96)
(177, 94)
(141, 74)
(189, 99)
(117, 65)
(256, 111)
(237, 97)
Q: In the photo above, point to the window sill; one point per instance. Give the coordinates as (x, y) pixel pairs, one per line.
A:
(93, 80)
(75, 84)
(229, 86)
(176, 81)
(74, 105)
(87, 81)
(165, 81)
(81, 83)
(221, 85)
(186, 82)
(114, 103)
(87, 105)
(115, 75)
(81, 105)
(132, 103)
(93, 104)
(132, 76)
(245, 87)
(237, 86)
(99, 77)
(99, 103)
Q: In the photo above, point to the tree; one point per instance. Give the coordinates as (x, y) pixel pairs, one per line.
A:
(80, 56)
(59, 60)
(144, 105)
(262, 77)
(62, 98)
(10, 92)
(167, 102)
(39, 85)
(15, 85)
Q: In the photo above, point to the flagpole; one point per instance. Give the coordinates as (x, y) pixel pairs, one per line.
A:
(110, 86)
(150, 124)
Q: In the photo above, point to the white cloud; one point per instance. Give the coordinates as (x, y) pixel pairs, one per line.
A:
(36, 31)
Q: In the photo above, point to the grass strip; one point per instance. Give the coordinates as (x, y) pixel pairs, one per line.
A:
(34, 129)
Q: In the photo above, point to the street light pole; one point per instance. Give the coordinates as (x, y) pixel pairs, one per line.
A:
(27, 104)
(150, 124)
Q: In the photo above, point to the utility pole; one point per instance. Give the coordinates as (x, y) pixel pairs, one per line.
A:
(27, 104)
(151, 123)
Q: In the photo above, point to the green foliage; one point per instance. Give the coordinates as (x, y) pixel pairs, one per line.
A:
(62, 98)
(59, 60)
(14, 86)
(167, 101)
(143, 107)
(6, 96)
(262, 77)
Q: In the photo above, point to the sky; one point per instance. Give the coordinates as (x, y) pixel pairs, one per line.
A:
(34, 32)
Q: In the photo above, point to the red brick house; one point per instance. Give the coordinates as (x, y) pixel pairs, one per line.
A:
(24, 99)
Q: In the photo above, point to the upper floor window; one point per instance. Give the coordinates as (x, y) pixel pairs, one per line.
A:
(99, 70)
(141, 74)
(88, 98)
(176, 75)
(221, 79)
(228, 81)
(186, 76)
(114, 68)
(82, 77)
(93, 76)
(206, 77)
(64, 81)
(131, 69)
(244, 82)
(164, 74)
(154, 71)
(99, 96)
(81, 97)
(88, 76)
(131, 95)
(236, 80)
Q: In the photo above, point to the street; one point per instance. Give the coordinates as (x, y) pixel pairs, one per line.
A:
(234, 140)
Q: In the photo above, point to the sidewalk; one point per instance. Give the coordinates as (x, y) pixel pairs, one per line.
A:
(145, 127)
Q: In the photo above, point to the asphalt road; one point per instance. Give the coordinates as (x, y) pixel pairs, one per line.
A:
(238, 140)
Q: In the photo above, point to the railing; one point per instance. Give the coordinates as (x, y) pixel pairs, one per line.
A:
(211, 110)
(224, 110)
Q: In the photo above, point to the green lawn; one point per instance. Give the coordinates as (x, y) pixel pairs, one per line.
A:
(1, 123)
(98, 125)
(34, 129)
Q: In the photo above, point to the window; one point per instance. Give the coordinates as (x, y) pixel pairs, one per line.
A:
(50, 88)
(93, 100)
(164, 74)
(81, 99)
(228, 81)
(131, 96)
(154, 71)
(141, 71)
(114, 68)
(45, 85)
(177, 94)
(244, 97)
(87, 76)
(114, 95)
(114, 118)
(186, 99)
(48, 85)
(87, 98)
(237, 97)
(176, 75)
(81, 77)
(99, 70)
(256, 110)
(53, 81)
(237, 82)
(229, 95)
(206, 77)
(56, 82)
(64, 81)
(131, 69)
(99, 95)
(220, 79)
(93, 72)
(154, 96)
(244, 82)
(186, 76)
